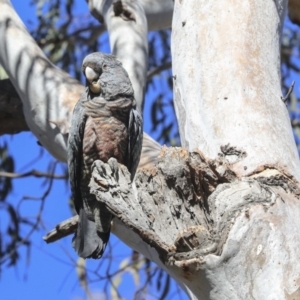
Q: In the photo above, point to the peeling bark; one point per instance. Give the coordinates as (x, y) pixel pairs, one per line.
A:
(203, 220)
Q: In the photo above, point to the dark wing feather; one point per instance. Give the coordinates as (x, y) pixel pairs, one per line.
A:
(75, 152)
(88, 241)
(135, 128)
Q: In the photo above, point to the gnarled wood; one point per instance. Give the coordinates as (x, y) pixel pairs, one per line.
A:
(202, 220)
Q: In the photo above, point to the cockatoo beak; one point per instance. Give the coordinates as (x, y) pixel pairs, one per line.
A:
(93, 80)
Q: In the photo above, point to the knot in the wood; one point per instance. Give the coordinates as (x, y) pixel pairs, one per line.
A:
(191, 238)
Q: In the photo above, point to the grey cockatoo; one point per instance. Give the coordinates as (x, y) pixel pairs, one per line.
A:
(105, 124)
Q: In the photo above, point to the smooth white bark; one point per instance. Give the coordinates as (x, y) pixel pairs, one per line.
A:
(226, 65)
(260, 257)
(135, 242)
(47, 92)
(158, 12)
(129, 42)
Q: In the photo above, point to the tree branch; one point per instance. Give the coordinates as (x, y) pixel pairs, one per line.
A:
(158, 12)
(290, 90)
(94, 31)
(151, 73)
(33, 173)
(62, 230)
(189, 210)
(48, 94)
(186, 209)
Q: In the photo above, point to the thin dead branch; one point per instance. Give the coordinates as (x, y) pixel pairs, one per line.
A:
(33, 173)
(157, 70)
(287, 96)
(62, 230)
(76, 36)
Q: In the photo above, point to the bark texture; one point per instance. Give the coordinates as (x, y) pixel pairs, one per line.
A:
(233, 95)
(228, 103)
(221, 235)
(158, 12)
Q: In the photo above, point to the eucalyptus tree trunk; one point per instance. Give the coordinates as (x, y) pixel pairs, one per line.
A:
(227, 87)
(220, 215)
(226, 65)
